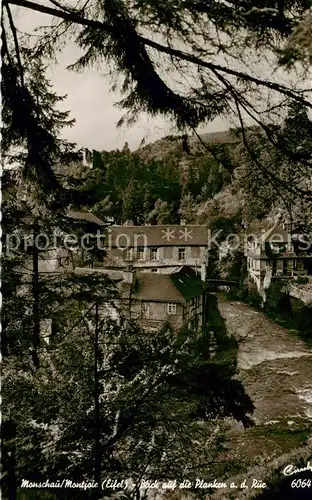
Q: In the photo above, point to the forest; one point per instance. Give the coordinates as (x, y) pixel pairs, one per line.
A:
(102, 399)
(163, 183)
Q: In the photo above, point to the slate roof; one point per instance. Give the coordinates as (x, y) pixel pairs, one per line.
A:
(155, 236)
(86, 216)
(187, 282)
(275, 231)
(176, 287)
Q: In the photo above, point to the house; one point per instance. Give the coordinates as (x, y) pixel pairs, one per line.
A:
(61, 248)
(51, 251)
(153, 299)
(90, 230)
(276, 254)
(159, 249)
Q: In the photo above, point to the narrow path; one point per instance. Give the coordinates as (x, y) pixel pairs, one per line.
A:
(273, 364)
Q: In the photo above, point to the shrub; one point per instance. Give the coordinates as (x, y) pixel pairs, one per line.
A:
(302, 280)
(254, 299)
(276, 298)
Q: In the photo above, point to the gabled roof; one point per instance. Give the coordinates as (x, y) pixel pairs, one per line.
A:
(86, 216)
(275, 234)
(149, 236)
(154, 287)
(187, 282)
(177, 287)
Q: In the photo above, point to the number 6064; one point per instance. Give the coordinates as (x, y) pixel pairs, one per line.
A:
(301, 483)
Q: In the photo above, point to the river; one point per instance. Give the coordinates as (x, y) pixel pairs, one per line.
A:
(274, 365)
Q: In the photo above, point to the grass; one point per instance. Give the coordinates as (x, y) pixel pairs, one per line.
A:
(263, 443)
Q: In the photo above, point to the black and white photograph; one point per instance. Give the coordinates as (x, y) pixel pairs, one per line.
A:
(156, 250)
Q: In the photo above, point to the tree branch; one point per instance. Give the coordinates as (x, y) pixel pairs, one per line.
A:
(75, 18)
(18, 57)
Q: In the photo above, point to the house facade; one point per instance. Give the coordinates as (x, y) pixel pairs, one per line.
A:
(154, 299)
(62, 249)
(274, 254)
(158, 249)
(53, 253)
(90, 231)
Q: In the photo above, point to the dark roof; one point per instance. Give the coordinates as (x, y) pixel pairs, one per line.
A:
(154, 287)
(150, 236)
(187, 282)
(176, 287)
(86, 216)
(180, 286)
(275, 234)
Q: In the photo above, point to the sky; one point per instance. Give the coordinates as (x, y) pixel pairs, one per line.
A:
(92, 103)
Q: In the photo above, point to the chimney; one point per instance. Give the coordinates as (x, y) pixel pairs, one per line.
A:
(128, 275)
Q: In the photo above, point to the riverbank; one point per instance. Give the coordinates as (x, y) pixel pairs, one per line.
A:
(288, 312)
(275, 368)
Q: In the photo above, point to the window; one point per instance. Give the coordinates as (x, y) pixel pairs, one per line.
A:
(172, 308)
(129, 254)
(182, 254)
(145, 310)
(285, 267)
(141, 253)
(134, 315)
(154, 270)
(195, 251)
(154, 253)
(275, 247)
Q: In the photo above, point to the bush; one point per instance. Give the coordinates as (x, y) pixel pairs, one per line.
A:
(302, 280)
(254, 299)
(276, 298)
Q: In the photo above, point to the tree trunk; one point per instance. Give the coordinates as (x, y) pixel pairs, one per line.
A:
(35, 292)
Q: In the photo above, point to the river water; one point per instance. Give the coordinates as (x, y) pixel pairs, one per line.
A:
(274, 365)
